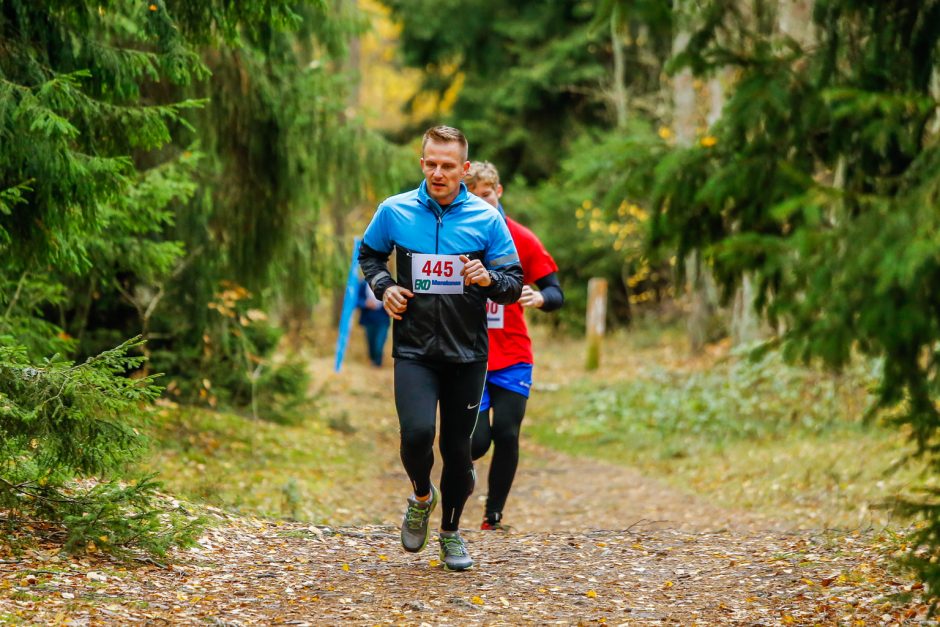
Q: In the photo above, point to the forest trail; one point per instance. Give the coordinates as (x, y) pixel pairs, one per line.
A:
(552, 491)
(590, 543)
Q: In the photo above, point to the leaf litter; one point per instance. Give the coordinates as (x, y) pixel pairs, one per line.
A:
(253, 572)
(591, 543)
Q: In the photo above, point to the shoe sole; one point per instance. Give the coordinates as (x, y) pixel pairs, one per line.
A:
(454, 570)
(427, 535)
(457, 570)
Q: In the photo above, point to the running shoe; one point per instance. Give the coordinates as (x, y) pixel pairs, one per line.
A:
(415, 530)
(493, 522)
(454, 552)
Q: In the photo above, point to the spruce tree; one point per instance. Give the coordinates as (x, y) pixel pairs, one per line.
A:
(90, 103)
(821, 179)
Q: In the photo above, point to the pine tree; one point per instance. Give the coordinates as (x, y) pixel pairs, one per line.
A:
(92, 98)
(60, 420)
(821, 178)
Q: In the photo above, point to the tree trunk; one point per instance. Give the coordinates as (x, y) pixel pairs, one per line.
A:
(700, 284)
(793, 20)
(596, 321)
(683, 96)
(745, 324)
(619, 87)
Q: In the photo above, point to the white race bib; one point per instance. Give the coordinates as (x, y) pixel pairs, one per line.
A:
(436, 274)
(495, 315)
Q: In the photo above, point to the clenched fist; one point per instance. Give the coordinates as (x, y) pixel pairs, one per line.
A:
(395, 300)
(474, 272)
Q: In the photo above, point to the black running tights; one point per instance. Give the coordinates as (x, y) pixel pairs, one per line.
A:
(419, 387)
(508, 410)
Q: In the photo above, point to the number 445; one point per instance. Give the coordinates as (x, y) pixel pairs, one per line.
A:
(443, 269)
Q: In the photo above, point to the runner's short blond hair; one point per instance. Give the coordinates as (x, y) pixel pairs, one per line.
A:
(482, 172)
(445, 135)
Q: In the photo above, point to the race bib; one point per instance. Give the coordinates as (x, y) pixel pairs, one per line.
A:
(495, 315)
(436, 274)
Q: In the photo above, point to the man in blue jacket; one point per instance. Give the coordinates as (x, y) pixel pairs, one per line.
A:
(453, 251)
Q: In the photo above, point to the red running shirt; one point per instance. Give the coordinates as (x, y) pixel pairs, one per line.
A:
(511, 345)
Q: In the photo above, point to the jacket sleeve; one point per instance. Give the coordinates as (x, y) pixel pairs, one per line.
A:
(551, 291)
(374, 265)
(374, 250)
(506, 286)
(502, 262)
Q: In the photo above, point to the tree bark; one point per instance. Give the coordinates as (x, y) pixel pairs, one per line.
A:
(619, 79)
(700, 286)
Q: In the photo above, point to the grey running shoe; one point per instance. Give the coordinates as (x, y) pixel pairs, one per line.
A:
(454, 552)
(415, 530)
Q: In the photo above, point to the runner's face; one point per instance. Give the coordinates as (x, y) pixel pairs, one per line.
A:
(444, 166)
(488, 192)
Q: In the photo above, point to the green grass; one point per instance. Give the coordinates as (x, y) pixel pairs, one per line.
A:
(760, 435)
(254, 466)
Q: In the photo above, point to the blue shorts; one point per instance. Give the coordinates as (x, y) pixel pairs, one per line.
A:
(517, 378)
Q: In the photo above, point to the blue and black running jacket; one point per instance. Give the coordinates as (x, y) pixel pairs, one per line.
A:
(441, 327)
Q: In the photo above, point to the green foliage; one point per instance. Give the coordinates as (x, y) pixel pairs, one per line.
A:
(60, 421)
(154, 150)
(22, 299)
(529, 74)
(235, 364)
(126, 197)
(282, 148)
(71, 117)
(534, 76)
(591, 198)
(823, 184)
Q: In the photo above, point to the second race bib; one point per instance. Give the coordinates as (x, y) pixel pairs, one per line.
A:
(436, 274)
(495, 315)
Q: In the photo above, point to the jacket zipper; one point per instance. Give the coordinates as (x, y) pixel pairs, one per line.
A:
(440, 225)
(437, 232)
(437, 237)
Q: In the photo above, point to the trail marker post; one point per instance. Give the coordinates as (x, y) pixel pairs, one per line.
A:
(596, 319)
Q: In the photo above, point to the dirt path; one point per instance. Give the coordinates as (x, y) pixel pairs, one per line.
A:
(251, 572)
(591, 543)
(552, 491)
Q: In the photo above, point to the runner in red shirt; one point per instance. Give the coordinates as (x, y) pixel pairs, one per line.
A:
(509, 371)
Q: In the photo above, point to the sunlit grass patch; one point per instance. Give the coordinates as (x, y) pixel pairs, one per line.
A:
(255, 466)
(754, 434)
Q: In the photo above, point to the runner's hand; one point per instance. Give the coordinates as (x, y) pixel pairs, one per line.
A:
(395, 300)
(474, 272)
(531, 298)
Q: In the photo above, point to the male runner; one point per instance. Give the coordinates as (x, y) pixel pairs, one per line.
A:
(510, 363)
(453, 252)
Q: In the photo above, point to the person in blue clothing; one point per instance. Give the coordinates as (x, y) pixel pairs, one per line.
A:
(374, 319)
(453, 252)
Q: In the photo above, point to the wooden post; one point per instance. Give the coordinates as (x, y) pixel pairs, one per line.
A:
(596, 319)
